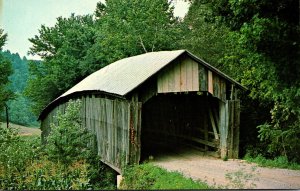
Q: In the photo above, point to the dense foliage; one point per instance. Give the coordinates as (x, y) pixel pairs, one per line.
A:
(6, 70)
(128, 28)
(25, 164)
(262, 51)
(19, 107)
(63, 48)
(68, 141)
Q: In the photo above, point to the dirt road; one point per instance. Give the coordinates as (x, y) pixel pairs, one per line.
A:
(213, 171)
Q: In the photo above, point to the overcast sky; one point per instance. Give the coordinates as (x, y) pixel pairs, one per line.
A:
(21, 19)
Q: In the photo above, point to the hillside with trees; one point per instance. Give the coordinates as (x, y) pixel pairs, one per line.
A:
(19, 106)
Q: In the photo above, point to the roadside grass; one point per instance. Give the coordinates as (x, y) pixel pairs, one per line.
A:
(23, 130)
(278, 162)
(149, 177)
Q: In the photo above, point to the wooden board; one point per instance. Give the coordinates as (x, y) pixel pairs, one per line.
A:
(180, 76)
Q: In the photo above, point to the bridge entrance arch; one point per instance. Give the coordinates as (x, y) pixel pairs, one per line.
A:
(173, 121)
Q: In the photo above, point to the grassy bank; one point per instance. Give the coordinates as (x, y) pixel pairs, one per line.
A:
(147, 176)
(278, 162)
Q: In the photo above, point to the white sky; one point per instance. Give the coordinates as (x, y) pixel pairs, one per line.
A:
(21, 19)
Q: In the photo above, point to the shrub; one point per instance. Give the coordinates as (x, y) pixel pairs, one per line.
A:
(68, 141)
(16, 153)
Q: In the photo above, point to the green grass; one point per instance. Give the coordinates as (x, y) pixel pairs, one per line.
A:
(278, 162)
(147, 176)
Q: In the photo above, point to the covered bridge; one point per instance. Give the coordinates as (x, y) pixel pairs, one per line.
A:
(155, 100)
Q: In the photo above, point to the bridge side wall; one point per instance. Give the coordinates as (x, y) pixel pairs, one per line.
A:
(115, 123)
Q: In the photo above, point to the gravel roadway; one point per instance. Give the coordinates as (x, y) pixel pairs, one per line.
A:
(213, 171)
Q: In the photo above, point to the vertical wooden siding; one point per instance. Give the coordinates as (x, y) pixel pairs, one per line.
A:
(216, 85)
(116, 125)
(182, 76)
(229, 128)
(187, 75)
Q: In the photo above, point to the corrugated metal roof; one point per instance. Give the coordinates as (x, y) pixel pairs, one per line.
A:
(123, 76)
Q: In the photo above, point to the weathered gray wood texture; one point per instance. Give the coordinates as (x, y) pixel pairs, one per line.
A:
(116, 124)
(187, 75)
(229, 128)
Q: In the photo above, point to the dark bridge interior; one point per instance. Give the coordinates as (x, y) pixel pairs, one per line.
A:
(173, 121)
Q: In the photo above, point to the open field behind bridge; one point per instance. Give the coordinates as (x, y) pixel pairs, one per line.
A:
(25, 131)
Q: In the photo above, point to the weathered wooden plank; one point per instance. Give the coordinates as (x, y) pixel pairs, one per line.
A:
(230, 128)
(189, 74)
(170, 75)
(236, 138)
(165, 81)
(203, 78)
(159, 83)
(216, 86)
(223, 89)
(195, 78)
(183, 76)
(210, 83)
(223, 126)
(213, 123)
(177, 73)
(205, 124)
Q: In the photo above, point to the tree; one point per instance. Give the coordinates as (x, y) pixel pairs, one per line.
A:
(6, 70)
(19, 107)
(64, 49)
(205, 39)
(128, 28)
(264, 55)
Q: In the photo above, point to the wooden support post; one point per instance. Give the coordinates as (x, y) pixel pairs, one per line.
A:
(223, 126)
(213, 123)
(205, 129)
(230, 127)
(236, 132)
(233, 116)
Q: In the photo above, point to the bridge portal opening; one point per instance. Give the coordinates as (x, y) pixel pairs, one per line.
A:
(173, 122)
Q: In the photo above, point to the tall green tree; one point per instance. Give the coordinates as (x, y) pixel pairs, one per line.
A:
(203, 38)
(127, 28)
(6, 70)
(264, 55)
(64, 51)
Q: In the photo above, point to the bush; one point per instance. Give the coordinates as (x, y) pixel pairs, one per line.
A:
(68, 162)
(68, 141)
(16, 153)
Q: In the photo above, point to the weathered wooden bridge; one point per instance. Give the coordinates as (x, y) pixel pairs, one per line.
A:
(152, 101)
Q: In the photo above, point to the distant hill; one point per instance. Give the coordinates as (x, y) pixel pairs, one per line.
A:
(19, 108)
